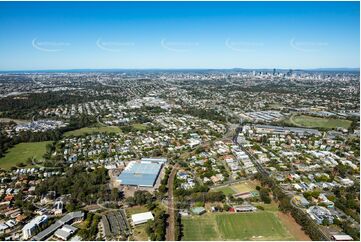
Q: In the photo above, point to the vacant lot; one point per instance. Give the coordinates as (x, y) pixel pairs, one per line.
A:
(261, 225)
(90, 130)
(22, 152)
(318, 122)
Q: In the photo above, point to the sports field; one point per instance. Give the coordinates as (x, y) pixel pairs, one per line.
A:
(246, 186)
(318, 122)
(21, 152)
(226, 190)
(200, 228)
(261, 225)
(90, 130)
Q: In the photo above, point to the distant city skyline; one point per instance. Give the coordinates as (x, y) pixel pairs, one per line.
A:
(179, 35)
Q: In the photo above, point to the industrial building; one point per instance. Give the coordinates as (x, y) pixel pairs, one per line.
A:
(270, 129)
(142, 173)
(264, 116)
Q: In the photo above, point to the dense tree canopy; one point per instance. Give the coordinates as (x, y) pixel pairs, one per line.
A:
(83, 186)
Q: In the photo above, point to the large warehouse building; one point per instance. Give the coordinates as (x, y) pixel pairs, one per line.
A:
(142, 173)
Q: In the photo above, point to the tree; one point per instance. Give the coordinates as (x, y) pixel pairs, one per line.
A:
(325, 222)
(226, 207)
(70, 206)
(115, 194)
(140, 198)
(264, 195)
(156, 229)
(84, 186)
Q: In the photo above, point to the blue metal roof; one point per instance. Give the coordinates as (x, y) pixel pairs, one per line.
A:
(140, 174)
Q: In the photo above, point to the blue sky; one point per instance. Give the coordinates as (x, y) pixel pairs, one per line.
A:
(75, 35)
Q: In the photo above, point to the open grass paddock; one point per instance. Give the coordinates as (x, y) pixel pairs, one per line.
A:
(91, 130)
(318, 122)
(22, 152)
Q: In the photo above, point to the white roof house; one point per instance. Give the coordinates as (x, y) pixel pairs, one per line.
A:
(3, 227)
(140, 218)
(65, 232)
(30, 227)
(342, 237)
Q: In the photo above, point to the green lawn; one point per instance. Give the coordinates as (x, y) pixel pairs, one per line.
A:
(261, 225)
(226, 190)
(21, 152)
(252, 226)
(273, 206)
(246, 186)
(318, 122)
(139, 233)
(139, 126)
(136, 209)
(90, 130)
(200, 228)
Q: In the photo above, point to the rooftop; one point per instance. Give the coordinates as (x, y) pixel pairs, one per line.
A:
(52, 228)
(140, 173)
(198, 210)
(35, 221)
(141, 217)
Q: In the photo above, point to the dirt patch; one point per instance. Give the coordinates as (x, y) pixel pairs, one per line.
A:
(293, 226)
(245, 186)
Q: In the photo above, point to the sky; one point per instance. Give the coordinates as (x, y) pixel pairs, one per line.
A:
(166, 35)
